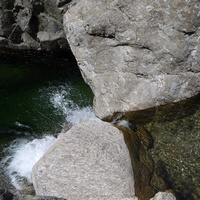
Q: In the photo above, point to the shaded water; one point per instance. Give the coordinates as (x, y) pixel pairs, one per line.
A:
(37, 95)
(167, 138)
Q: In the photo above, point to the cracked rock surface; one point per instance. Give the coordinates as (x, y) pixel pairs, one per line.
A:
(136, 54)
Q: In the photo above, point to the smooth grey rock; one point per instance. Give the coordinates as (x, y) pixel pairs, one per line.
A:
(164, 196)
(57, 8)
(136, 54)
(50, 32)
(27, 39)
(90, 161)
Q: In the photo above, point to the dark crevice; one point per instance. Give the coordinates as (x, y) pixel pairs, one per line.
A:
(63, 2)
(189, 33)
(33, 26)
(141, 75)
(144, 47)
(103, 35)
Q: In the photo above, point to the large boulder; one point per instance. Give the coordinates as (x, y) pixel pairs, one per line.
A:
(90, 161)
(136, 54)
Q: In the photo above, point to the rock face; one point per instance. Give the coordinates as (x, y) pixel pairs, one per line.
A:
(136, 54)
(90, 161)
(33, 25)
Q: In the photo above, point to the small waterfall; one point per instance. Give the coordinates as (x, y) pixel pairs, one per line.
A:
(22, 154)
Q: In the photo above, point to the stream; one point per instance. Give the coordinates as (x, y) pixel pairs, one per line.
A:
(38, 96)
(41, 96)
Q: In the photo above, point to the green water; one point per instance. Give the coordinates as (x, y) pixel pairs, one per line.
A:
(27, 85)
(170, 135)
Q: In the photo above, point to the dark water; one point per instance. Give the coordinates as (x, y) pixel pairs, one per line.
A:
(171, 136)
(24, 94)
(37, 95)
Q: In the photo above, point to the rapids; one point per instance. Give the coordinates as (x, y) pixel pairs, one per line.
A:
(38, 97)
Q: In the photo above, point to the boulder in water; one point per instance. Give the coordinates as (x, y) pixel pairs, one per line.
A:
(90, 161)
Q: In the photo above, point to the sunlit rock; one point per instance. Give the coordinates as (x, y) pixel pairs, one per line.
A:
(164, 196)
(90, 161)
(136, 54)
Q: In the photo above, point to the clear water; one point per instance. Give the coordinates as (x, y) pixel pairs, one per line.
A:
(37, 96)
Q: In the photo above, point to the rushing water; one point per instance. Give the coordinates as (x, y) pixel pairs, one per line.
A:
(37, 96)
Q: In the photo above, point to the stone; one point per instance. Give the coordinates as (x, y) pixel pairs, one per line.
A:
(27, 39)
(52, 8)
(90, 161)
(23, 18)
(176, 135)
(142, 164)
(136, 54)
(51, 33)
(164, 196)
(27, 25)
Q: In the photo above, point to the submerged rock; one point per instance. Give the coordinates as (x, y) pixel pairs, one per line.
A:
(136, 54)
(165, 147)
(90, 161)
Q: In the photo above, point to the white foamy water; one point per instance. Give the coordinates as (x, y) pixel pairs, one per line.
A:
(73, 113)
(23, 154)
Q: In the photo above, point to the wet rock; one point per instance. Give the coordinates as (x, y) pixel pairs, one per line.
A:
(90, 161)
(175, 131)
(142, 164)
